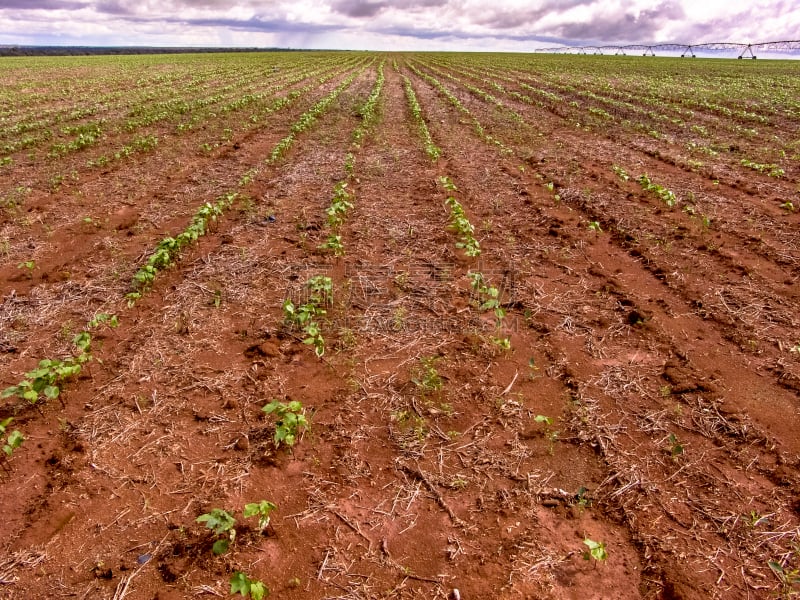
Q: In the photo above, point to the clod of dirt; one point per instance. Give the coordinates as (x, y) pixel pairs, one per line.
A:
(124, 219)
(262, 350)
(635, 318)
(166, 573)
(100, 572)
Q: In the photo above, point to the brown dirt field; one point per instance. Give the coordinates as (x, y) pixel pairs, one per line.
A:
(642, 389)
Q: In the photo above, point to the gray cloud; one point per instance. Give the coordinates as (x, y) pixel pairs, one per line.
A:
(257, 24)
(627, 27)
(168, 7)
(42, 4)
(508, 19)
(360, 9)
(114, 7)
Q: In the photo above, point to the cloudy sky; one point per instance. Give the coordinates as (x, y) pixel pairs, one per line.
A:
(507, 25)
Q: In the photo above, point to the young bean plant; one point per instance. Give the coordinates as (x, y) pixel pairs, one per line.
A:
(663, 194)
(242, 584)
(223, 524)
(10, 441)
(290, 421)
(304, 316)
(460, 223)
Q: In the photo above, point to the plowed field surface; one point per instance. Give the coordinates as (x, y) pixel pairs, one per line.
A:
(561, 313)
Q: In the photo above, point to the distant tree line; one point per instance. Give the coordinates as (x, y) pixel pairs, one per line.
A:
(119, 50)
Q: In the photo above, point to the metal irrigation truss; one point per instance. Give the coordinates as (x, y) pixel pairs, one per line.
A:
(743, 50)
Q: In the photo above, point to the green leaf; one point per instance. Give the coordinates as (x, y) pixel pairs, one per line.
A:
(776, 567)
(272, 407)
(83, 341)
(597, 550)
(280, 435)
(258, 590)
(262, 509)
(9, 391)
(44, 369)
(52, 391)
(220, 546)
(240, 584)
(15, 439)
(218, 520)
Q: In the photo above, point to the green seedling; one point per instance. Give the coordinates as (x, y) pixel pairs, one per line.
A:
(533, 368)
(304, 315)
(350, 164)
(465, 230)
(754, 519)
(665, 195)
(788, 205)
(104, 319)
(770, 170)
(426, 377)
(314, 338)
(263, 509)
(300, 314)
(582, 499)
(448, 184)
(221, 523)
(596, 550)
(549, 432)
(367, 111)
(676, 448)
(488, 296)
(621, 173)
(321, 288)
(242, 584)
(334, 244)
(789, 578)
(340, 204)
(595, 226)
(28, 264)
(12, 441)
(504, 343)
(290, 421)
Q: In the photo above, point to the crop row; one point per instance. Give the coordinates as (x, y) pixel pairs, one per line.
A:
(663, 120)
(151, 107)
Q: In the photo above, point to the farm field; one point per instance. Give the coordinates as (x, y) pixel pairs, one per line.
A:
(521, 326)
